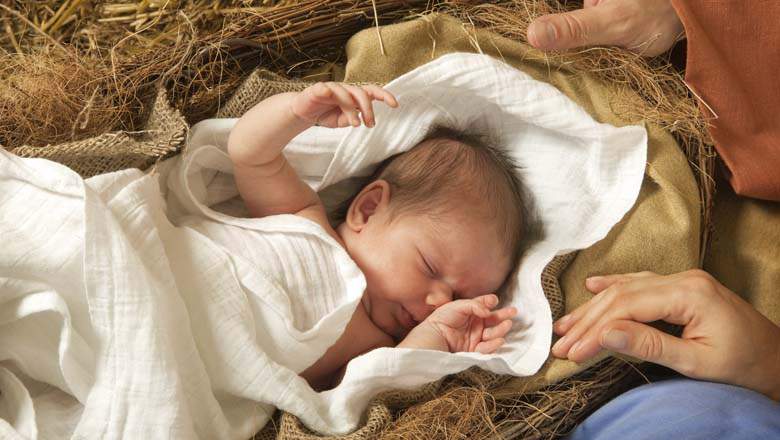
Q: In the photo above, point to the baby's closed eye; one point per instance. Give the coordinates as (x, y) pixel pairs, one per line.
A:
(427, 267)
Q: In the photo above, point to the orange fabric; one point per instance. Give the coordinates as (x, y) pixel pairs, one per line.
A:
(733, 65)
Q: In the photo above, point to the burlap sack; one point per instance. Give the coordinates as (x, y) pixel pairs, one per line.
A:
(163, 135)
(745, 250)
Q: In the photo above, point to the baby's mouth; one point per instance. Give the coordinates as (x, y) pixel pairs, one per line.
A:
(406, 319)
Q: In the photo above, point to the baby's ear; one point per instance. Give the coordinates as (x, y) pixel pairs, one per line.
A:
(372, 199)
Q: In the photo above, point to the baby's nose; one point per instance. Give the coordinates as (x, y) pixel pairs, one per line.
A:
(438, 297)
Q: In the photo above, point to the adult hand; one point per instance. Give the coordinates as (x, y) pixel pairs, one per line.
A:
(724, 338)
(648, 27)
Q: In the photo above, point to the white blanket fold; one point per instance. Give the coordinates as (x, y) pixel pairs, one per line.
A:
(140, 305)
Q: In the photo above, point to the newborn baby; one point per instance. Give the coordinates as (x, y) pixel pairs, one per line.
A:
(435, 232)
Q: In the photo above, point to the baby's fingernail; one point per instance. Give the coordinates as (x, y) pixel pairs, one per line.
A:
(615, 340)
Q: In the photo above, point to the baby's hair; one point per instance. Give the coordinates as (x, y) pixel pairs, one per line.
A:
(457, 171)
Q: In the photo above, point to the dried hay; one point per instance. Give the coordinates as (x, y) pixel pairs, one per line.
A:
(471, 405)
(201, 50)
(78, 68)
(54, 98)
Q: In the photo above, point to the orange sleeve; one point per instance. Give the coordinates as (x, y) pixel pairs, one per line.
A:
(733, 65)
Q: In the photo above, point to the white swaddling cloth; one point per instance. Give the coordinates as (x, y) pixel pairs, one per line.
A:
(135, 306)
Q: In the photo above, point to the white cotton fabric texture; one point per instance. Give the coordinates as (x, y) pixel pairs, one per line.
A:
(140, 305)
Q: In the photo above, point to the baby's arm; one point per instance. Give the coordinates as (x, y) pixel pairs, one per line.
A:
(265, 180)
(463, 325)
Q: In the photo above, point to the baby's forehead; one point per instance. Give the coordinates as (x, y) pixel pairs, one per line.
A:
(463, 237)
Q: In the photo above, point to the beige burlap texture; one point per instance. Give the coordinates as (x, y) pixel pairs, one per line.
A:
(164, 135)
(745, 250)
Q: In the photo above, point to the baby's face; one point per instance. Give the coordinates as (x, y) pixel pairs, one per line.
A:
(417, 263)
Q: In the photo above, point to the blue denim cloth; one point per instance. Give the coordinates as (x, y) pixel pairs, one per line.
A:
(684, 409)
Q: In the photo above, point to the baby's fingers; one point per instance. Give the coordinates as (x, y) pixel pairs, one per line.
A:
(490, 346)
(489, 300)
(497, 331)
(380, 94)
(474, 307)
(346, 102)
(500, 315)
(364, 103)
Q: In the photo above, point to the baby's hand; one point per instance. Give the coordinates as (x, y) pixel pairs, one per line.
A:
(336, 105)
(464, 325)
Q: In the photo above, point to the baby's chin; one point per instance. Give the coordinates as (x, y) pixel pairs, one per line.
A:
(385, 320)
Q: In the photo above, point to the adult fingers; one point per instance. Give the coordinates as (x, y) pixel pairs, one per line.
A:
(600, 283)
(598, 25)
(596, 284)
(649, 344)
(643, 300)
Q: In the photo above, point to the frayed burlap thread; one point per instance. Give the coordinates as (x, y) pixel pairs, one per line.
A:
(163, 136)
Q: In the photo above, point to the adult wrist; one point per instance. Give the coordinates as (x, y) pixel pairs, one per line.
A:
(765, 378)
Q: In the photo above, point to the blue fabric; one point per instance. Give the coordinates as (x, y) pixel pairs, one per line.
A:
(684, 409)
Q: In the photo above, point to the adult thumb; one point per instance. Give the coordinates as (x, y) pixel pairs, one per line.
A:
(649, 344)
(581, 27)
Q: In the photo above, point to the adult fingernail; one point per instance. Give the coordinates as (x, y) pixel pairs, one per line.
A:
(615, 340)
(563, 321)
(542, 34)
(559, 343)
(549, 30)
(574, 349)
